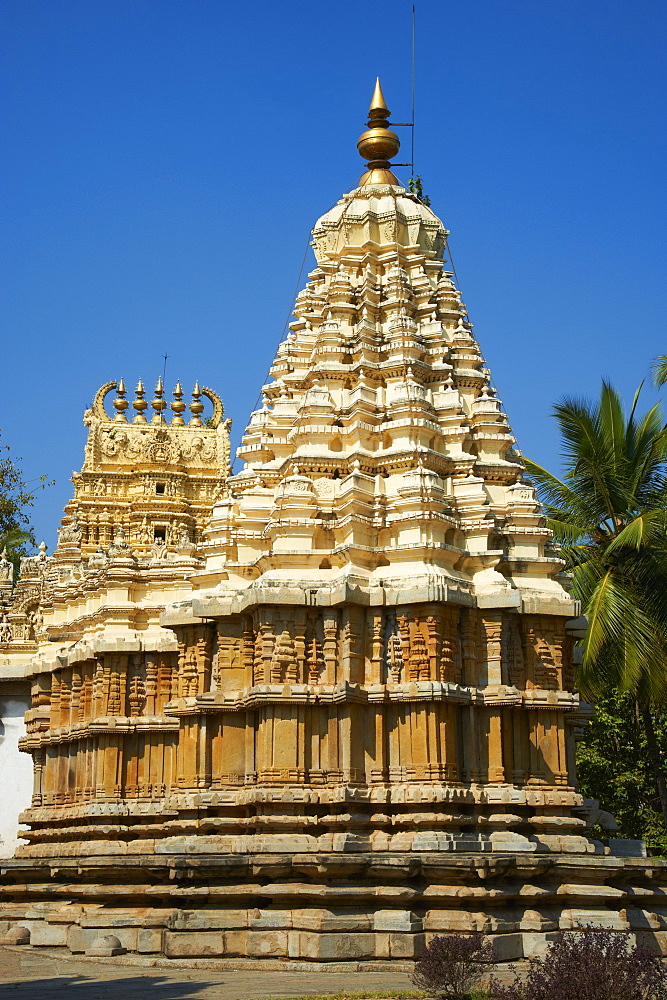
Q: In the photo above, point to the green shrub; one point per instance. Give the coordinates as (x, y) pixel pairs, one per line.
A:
(589, 965)
(453, 965)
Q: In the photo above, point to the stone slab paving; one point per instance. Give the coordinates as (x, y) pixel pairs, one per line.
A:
(29, 975)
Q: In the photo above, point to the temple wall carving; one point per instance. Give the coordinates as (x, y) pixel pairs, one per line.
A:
(96, 730)
(350, 704)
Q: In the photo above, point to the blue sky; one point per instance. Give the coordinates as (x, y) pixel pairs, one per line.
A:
(167, 160)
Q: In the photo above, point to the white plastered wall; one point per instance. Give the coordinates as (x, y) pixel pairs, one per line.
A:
(15, 769)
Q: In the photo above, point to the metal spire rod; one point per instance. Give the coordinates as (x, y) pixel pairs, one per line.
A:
(412, 153)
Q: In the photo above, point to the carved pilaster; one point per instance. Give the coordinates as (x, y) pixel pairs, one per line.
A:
(54, 721)
(492, 623)
(283, 661)
(330, 646)
(300, 627)
(513, 658)
(314, 651)
(377, 632)
(75, 702)
(187, 664)
(395, 651)
(117, 667)
(38, 762)
(258, 659)
(166, 680)
(65, 696)
(266, 651)
(450, 663)
(136, 685)
(151, 684)
(247, 650)
(98, 689)
(433, 645)
(468, 646)
(353, 644)
(204, 653)
(403, 625)
(418, 664)
(86, 704)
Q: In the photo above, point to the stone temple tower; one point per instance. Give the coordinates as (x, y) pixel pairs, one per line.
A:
(372, 721)
(385, 593)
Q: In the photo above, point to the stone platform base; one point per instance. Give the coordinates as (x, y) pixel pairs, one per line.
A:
(358, 911)
(130, 960)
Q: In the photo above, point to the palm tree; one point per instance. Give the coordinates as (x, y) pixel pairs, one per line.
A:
(609, 512)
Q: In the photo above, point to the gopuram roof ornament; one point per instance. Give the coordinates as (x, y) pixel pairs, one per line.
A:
(378, 144)
(159, 404)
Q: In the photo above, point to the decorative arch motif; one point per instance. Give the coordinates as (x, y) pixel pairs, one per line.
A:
(98, 402)
(218, 408)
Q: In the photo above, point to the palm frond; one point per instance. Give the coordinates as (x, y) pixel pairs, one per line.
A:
(647, 450)
(612, 424)
(590, 455)
(609, 511)
(622, 636)
(575, 556)
(560, 499)
(564, 531)
(645, 529)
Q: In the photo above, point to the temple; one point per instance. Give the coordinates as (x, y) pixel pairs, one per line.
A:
(324, 708)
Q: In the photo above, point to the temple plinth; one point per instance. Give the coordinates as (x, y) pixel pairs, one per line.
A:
(362, 730)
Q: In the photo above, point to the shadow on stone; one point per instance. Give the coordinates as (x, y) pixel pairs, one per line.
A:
(82, 988)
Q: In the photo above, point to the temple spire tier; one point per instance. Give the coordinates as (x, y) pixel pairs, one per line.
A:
(381, 398)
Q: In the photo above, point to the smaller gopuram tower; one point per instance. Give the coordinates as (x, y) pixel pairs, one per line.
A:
(83, 624)
(151, 476)
(356, 725)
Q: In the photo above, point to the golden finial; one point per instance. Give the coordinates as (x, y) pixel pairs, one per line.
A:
(120, 404)
(159, 404)
(379, 143)
(196, 407)
(140, 403)
(178, 406)
(378, 102)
